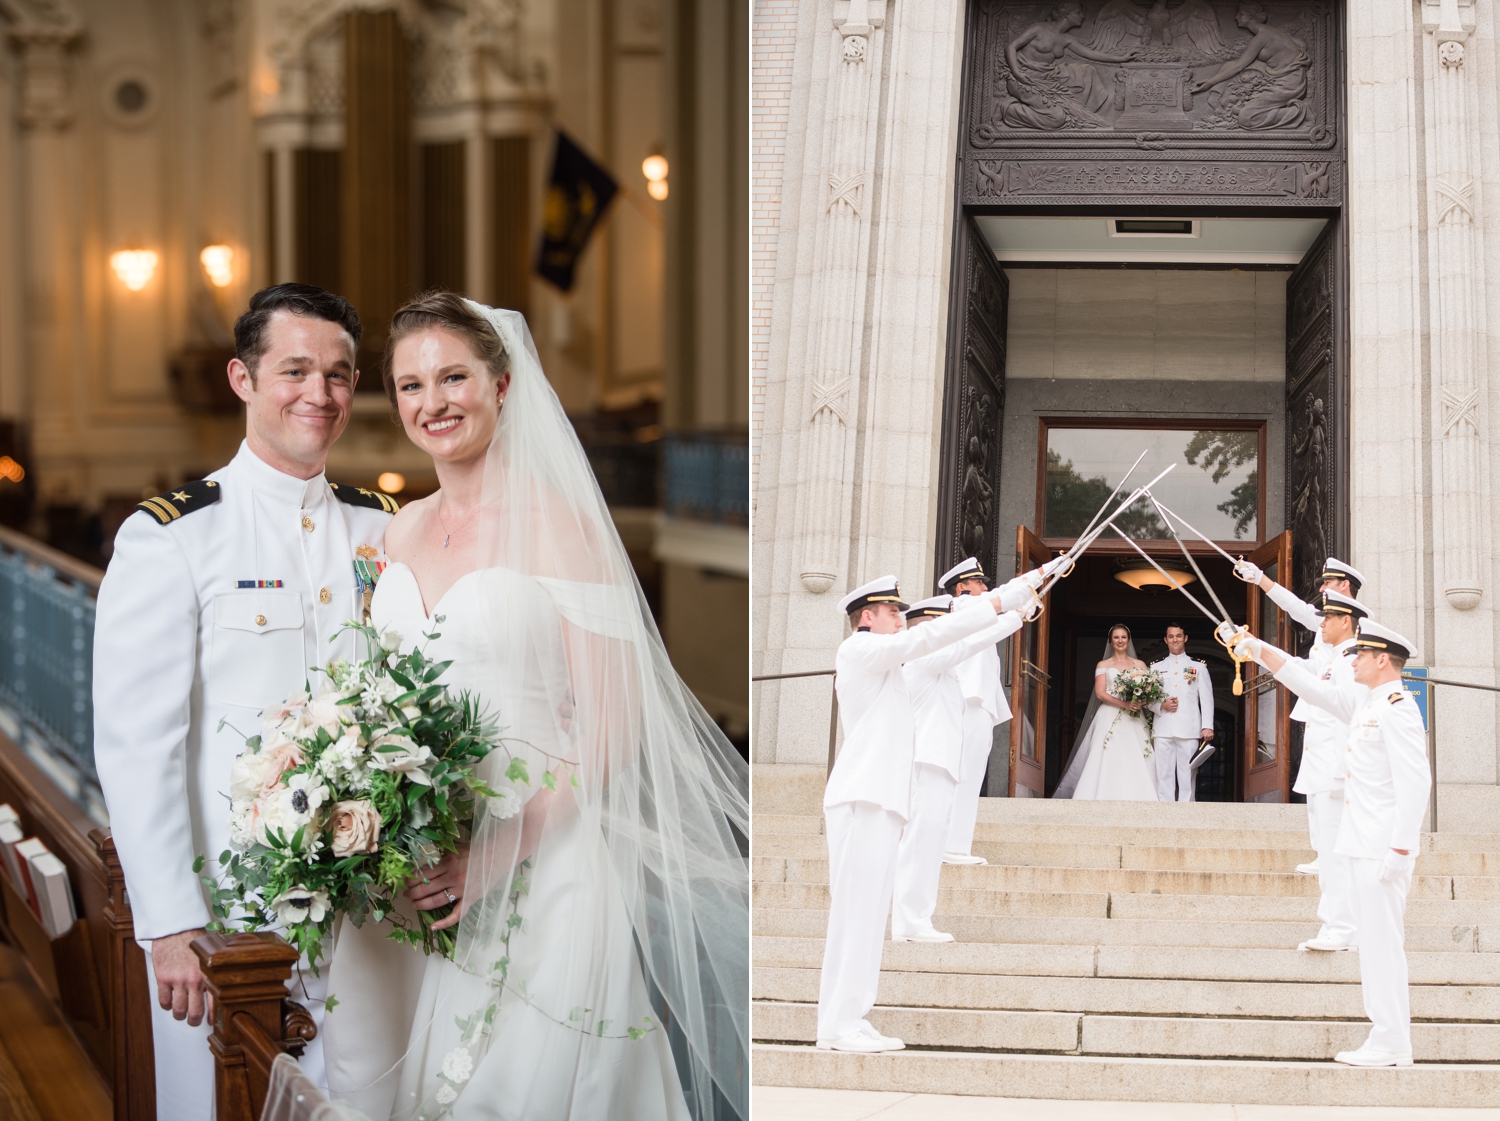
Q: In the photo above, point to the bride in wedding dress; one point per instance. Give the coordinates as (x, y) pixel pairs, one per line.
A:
(1111, 758)
(601, 903)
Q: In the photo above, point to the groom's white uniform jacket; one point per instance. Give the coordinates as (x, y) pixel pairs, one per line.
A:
(186, 637)
(1186, 679)
(937, 697)
(875, 711)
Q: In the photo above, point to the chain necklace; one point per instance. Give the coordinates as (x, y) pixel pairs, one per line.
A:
(447, 533)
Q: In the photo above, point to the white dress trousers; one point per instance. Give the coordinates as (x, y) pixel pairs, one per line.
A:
(862, 840)
(1174, 777)
(1325, 811)
(1380, 915)
(979, 741)
(919, 859)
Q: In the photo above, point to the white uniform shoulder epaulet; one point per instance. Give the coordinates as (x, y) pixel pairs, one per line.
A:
(1397, 695)
(185, 499)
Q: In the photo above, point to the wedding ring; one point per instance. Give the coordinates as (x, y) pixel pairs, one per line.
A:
(451, 897)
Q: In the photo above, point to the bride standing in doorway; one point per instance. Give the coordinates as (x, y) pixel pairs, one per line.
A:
(1111, 759)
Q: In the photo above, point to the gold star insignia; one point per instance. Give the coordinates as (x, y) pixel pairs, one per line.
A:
(367, 493)
(179, 496)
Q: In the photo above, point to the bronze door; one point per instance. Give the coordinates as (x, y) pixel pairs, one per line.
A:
(1029, 685)
(1267, 705)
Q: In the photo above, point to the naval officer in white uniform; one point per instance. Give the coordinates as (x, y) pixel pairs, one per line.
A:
(938, 704)
(1386, 785)
(986, 708)
(220, 600)
(1183, 721)
(867, 801)
(1338, 577)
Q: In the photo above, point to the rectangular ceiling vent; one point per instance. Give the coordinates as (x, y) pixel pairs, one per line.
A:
(1154, 227)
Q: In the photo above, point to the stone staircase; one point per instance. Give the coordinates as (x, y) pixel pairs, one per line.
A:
(1128, 951)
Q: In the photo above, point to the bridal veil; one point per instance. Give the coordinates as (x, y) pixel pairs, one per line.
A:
(1078, 755)
(636, 762)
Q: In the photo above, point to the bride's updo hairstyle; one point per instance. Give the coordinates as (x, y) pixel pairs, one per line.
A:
(450, 312)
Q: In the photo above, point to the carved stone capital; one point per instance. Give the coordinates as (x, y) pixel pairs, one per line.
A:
(1448, 20)
(1451, 52)
(858, 17)
(43, 33)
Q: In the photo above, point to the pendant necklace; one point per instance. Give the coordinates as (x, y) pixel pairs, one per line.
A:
(447, 533)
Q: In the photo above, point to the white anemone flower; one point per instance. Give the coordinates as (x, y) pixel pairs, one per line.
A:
(401, 755)
(299, 904)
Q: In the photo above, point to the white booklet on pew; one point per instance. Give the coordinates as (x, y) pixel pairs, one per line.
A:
(49, 878)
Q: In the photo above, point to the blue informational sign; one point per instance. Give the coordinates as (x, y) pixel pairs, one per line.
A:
(1415, 679)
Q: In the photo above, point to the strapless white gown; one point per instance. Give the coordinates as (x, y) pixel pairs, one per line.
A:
(394, 1003)
(1118, 767)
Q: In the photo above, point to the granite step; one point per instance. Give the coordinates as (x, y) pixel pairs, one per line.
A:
(1174, 963)
(1045, 930)
(1137, 996)
(1002, 877)
(1100, 1078)
(1164, 1036)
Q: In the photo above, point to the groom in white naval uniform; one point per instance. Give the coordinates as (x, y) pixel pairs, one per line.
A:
(868, 797)
(938, 704)
(1386, 785)
(1183, 721)
(986, 707)
(1336, 577)
(220, 600)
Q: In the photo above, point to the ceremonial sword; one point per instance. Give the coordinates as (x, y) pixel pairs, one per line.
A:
(1090, 537)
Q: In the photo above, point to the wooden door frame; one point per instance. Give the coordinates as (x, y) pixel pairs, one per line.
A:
(1030, 553)
(1277, 774)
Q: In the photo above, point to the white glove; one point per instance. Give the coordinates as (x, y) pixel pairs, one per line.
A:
(1033, 579)
(1055, 563)
(1015, 595)
(1247, 572)
(1249, 647)
(1395, 865)
(1226, 632)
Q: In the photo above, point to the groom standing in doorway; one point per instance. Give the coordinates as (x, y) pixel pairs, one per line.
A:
(219, 601)
(1183, 720)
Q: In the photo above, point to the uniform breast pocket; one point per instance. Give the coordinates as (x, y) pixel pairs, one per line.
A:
(258, 657)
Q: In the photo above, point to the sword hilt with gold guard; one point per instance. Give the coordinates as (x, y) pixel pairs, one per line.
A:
(1242, 633)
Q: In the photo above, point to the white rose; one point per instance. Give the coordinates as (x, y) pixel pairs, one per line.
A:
(458, 1065)
(241, 825)
(298, 904)
(401, 756)
(390, 640)
(250, 773)
(325, 712)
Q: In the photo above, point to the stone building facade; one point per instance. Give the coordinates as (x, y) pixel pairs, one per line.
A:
(940, 177)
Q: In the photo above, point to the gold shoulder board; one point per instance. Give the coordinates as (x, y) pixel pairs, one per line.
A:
(184, 500)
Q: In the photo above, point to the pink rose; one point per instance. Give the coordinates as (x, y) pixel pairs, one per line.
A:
(284, 757)
(354, 826)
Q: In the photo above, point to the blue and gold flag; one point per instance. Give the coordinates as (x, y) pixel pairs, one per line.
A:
(577, 195)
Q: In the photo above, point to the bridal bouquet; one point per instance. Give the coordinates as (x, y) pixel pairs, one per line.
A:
(346, 795)
(1143, 687)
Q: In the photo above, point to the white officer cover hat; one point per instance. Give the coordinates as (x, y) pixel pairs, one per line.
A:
(881, 590)
(1383, 640)
(930, 608)
(968, 568)
(1336, 603)
(1336, 569)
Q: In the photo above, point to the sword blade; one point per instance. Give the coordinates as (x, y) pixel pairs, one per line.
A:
(1084, 542)
(1112, 494)
(1183, 522)
(1167, 521)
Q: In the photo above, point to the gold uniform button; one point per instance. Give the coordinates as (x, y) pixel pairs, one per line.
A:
(324, 595)
(260, 620)
(307, 523)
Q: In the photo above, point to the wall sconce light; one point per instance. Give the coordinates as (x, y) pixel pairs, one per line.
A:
(218, 262)
(392, 482)
(654, 168)
(134, 267)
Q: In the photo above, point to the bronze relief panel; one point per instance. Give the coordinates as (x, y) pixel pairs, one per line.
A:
(1153, 100)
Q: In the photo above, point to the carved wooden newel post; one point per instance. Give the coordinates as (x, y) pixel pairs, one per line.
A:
(836, 327)
(253, 1019)
(1454, 303)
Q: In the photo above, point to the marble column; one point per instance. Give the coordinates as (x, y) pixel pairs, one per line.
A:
(841, 262)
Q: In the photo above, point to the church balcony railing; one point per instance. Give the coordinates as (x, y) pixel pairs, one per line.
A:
(46, 668)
